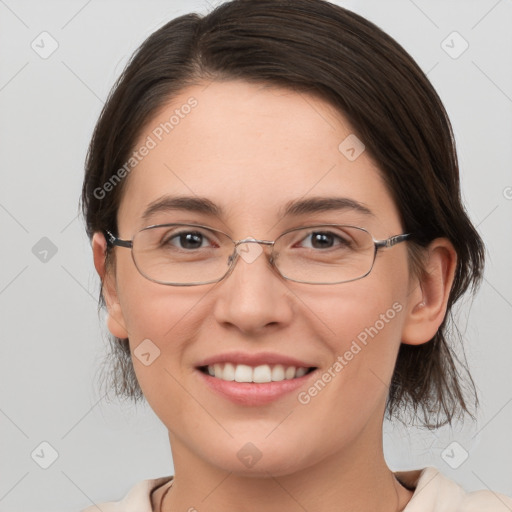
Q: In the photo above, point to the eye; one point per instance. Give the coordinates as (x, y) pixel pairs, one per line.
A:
(187, 239)
(327, 240)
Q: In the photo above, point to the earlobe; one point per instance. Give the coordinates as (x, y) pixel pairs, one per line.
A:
(428, 298)
(115, 321)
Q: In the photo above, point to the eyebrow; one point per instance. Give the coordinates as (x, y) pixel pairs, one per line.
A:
(322, 204)
(292, 208)
(185, 203)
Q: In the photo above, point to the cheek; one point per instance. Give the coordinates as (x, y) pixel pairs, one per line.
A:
(162, 324)
(149, 309)
(161, 321)
(364, 325)
(362, 313)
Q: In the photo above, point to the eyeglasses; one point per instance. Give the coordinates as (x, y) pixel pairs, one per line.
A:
(192, 254)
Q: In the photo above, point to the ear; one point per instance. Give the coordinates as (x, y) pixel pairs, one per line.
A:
(115, 321)
(428, 295)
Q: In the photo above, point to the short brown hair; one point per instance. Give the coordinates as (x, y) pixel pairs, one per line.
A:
(315, 46)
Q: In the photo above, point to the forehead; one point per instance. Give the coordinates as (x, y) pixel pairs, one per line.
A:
(251, 149)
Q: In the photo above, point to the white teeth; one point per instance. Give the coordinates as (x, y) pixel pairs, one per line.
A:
(217, 368)
(228, 373)
(278, 373)
(243, 373)
(260, 374)
(290, 372)
(301, 372)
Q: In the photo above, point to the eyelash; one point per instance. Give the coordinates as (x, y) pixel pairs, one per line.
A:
(167, 239)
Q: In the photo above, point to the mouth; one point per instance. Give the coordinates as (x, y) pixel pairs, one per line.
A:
(261, 374)
(254, 379)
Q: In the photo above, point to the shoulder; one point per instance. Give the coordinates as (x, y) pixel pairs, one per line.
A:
(434, 492)
(138, 499)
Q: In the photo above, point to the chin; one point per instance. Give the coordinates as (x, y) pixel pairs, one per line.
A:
(250, 459)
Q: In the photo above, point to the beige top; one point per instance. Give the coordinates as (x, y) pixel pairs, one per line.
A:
(433, 492)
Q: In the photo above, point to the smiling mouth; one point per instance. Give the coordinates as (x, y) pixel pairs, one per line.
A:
(257, 374)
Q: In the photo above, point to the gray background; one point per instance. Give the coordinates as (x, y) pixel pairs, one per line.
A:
(52, 340)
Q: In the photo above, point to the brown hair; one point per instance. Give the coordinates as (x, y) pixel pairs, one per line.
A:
(315, 46)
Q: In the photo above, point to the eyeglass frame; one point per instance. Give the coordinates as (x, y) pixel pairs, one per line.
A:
(114, 241)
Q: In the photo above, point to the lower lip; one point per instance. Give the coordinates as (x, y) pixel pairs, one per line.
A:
(251, 393)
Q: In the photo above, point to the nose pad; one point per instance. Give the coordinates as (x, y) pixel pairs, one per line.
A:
(231, 258)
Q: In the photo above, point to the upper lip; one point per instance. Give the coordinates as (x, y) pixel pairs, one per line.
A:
(255, 359)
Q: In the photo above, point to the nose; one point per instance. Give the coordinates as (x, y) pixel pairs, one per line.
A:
(253, 295)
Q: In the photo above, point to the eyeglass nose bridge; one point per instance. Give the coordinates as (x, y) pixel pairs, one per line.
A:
(249, 258)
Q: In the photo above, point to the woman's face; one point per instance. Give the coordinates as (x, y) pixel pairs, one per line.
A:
(250, 150)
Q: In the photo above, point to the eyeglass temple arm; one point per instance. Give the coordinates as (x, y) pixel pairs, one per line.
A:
(113, 240)
(390, 242)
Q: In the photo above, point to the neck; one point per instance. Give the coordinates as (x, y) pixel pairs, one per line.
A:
(351, 480)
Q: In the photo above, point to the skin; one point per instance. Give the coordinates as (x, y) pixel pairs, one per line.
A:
(251, 148)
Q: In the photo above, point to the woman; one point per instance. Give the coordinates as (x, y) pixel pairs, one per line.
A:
(272, 195)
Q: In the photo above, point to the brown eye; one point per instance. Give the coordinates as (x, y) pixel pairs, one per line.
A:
(326, 240)
(186, 240)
